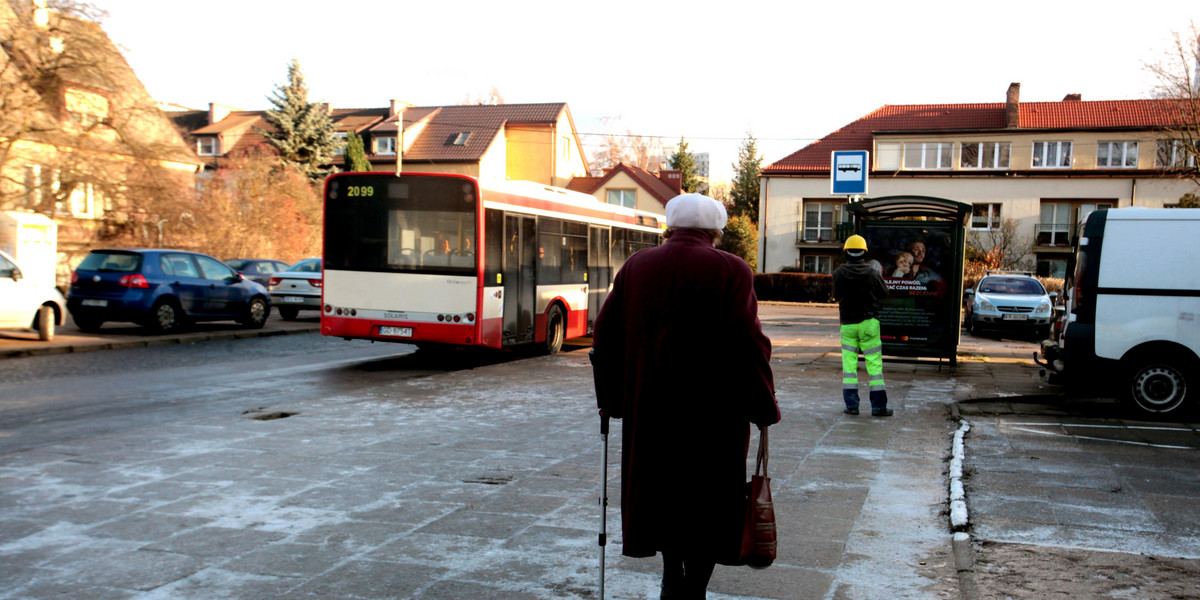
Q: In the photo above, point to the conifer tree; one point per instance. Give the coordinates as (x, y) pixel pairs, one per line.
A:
(303, 134)
(356, 153)
(743, 194)
(684, 161)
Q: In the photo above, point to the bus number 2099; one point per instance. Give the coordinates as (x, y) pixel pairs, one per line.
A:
(360, 191)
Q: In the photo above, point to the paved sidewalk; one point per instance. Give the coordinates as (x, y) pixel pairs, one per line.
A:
(480, 484)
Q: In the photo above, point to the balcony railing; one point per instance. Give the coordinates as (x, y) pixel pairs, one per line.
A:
(1053, 235)
(826, 234)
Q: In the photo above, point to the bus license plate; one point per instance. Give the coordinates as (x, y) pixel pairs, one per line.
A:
(1016, 317)
(92, 302)
(293, 299)
(395, 331)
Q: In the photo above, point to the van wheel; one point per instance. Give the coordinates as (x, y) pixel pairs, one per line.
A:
(45, 323)
(1159, 385)
(556, 330)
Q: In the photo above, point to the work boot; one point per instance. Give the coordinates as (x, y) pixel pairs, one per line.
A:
(881, 412)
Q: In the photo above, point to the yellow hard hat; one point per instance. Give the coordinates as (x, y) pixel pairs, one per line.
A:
(855, 242)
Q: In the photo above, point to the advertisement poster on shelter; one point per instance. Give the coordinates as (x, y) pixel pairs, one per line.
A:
(917, 261)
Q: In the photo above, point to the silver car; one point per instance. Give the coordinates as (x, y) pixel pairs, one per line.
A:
(297, 288)
(1010, 301)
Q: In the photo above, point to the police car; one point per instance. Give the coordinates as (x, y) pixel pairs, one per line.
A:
(1010, 301)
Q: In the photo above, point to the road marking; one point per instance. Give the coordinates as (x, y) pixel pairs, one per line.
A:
(1099, 439)
(1107, 426)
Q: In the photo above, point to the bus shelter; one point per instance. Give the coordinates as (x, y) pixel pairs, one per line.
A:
(918, 244)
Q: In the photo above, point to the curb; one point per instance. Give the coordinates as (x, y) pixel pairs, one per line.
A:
(960, 545)
(185, 338)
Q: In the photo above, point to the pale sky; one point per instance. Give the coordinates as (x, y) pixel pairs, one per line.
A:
(790, 72)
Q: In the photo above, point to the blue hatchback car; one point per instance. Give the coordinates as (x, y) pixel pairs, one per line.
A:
(163, 290)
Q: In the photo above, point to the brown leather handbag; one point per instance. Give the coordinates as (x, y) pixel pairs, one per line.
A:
(758, 534)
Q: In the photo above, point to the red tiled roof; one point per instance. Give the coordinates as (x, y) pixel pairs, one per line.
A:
(647, 180)
(482, 122)
(989, 117)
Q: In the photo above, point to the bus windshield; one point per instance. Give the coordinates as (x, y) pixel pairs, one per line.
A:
(416, 224)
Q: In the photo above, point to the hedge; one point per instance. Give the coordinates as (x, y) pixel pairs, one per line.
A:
(794, 287)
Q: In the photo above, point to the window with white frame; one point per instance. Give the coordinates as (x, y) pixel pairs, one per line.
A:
(1117, 155)
(814, 263)
(1051, 155)
(339, 140)
(565, 143)
(1175, 154)
(626, 198)
(208, 145)
(384, 145)
(34, 190)
(985, 215)
(985, 155)
(928, 155)
(818, 221)
(887, 157)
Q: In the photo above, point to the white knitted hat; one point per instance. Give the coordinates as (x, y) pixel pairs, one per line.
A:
(696, 210)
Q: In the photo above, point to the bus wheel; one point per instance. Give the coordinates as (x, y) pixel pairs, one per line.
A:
(556, 330)
(1158, 385)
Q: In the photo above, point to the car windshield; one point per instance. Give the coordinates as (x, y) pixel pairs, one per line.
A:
(308, 265)
(111, 262)
(1011, 285)
(237, 263)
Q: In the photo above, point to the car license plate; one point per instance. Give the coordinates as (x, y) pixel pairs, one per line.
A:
(1016, 317)
(293, 299)
(395, 331)
(94, 302)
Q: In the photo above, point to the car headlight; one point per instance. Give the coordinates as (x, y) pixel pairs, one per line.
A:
(985, 305)
(1043, 308)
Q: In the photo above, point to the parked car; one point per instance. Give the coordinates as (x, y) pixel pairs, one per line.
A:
(163, 290)
(1012, 302)
(299, 287)
(29, 302)
(258, 270)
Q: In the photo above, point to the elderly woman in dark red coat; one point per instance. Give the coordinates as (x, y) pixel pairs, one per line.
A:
(680, 356)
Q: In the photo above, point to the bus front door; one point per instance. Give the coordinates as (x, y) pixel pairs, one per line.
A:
(599, 272)
(520, 252)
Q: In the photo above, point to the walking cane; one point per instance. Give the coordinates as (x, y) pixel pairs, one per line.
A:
(603, 495)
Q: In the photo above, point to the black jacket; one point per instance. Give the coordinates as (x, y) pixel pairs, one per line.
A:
(858, 288)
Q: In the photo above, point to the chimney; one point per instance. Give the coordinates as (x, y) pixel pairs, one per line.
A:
(397, 106)
(1073, 98)
(217, 112)
(673, 179)
(1012, 103)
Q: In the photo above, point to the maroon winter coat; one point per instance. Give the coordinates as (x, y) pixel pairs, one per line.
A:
(681, 357)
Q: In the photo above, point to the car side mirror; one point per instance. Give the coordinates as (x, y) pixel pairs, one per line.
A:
(16, 274)
(1053, 296)
(969, 293)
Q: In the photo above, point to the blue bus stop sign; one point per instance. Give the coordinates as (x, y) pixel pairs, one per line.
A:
(848, 172)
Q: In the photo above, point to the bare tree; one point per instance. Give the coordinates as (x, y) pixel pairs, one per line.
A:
(1178, 80)
(80, 140)
(999, 248)
(256, 206)
(627, 147)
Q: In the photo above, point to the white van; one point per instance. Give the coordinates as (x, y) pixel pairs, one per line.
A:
(1133, 309)
(29, 302)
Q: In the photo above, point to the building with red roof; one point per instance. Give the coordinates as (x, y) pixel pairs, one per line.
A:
(530, 142)
(1042, 165)
(632, 187)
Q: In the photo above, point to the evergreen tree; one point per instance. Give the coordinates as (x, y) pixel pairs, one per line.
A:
(356, 153)
(303, 134)
(741, 239)
(684, 161)
(743, 194)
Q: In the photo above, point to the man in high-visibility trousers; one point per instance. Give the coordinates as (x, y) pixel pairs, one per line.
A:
(858, 288)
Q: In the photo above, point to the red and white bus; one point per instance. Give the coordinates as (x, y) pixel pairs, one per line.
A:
(442, 259)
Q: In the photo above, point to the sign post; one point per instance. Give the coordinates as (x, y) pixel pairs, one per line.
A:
(848, 172)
